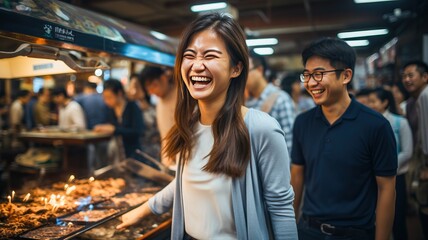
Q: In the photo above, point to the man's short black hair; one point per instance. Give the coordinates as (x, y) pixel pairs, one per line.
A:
(421, 66)
(337, 51)
(42, 90)
(288, 81)
(114, 85)
(259, 60)
(91, 85)
(150, 73)
(22, 93)
(59, 91)
(364, 92)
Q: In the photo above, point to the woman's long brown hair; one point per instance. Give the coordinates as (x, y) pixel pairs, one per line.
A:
(231, 149)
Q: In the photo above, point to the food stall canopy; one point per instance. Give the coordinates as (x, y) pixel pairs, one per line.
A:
(31, 67)
(67, 33)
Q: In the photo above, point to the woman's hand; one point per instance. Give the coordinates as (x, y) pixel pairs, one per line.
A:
(134, 216)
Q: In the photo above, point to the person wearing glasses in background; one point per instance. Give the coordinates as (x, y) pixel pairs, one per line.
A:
(344, 154)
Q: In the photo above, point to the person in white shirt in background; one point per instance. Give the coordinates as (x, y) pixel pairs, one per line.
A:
(382, 100)
(71, 115)
(16, 116)
(158, 81)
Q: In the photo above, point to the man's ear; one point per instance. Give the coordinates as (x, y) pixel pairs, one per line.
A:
(425, 76)
(236, 70)
(347, 75)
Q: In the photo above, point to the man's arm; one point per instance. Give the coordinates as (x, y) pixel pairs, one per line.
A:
(385, 206)
(297, 181)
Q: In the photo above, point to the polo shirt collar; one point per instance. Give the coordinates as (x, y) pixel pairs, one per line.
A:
(350, 113)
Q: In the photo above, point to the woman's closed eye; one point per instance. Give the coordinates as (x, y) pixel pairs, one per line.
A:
(210, 56)
(188, 56)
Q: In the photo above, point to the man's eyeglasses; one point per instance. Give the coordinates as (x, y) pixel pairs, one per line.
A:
(317, 75)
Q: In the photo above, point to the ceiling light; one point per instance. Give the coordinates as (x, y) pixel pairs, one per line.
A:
(98, 72)
(358, 43)
(208, 7)
(264, 51)
(261, 42)
(372, 1)
(365, 33)
(372, 57)
(159, 35)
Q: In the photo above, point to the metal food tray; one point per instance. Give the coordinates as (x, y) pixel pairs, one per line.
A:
(134, 184)
(53, 234)
(86, 225)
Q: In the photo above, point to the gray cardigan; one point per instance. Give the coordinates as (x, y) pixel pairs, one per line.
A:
(261, 199)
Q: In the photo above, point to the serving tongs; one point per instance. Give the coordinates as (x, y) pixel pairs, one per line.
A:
(164, 175)
(159, 164)
(145, 171)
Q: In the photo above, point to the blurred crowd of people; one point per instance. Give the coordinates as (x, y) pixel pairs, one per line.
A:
(405, 105)
(128, 112)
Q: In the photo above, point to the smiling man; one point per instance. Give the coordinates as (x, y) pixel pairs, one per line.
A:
(344, 154)
(415, 80)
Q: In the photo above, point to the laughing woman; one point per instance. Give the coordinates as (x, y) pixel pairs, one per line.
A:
(233, 177)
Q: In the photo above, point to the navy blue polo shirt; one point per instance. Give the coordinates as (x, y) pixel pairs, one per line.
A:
(341, 162)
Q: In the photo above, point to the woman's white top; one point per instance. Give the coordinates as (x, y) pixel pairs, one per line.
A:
(207, 197)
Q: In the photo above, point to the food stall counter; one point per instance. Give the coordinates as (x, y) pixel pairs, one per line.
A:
(66, 140)
(81, 209)
(64, 137)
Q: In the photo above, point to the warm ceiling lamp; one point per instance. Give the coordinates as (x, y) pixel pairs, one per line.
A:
(208, 7)
(372, 1)
(358, 43)
(365, 33)
(261, 42)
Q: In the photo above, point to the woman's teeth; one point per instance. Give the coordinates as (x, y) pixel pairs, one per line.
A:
(202, 80)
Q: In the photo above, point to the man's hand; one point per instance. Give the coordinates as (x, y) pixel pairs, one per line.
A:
(104, 128)
(424, 174)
